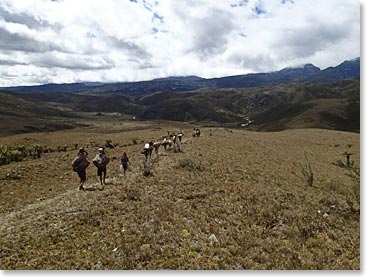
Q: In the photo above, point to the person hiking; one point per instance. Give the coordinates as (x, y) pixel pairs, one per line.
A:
(174, 138)
(151, 146)
(164, 143)
(79, 165)
(145, 151)
(100, 161)
(180, 135)
(156, 146)
(124, 161)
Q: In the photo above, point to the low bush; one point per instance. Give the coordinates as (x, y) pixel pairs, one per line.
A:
(189, 165)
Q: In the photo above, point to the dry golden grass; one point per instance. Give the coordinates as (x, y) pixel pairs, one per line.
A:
(313, 117)
(246, 188)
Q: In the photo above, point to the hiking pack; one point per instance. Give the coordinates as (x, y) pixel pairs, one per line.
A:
(76, 163)
(124, 160)
(101, 160)
(79, 163)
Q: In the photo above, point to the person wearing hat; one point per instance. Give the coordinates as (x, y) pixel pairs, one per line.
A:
(80, 164)
(100, 161)
(146, 150)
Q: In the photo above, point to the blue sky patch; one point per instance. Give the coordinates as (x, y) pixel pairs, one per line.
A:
(158, 17)
(258, 10)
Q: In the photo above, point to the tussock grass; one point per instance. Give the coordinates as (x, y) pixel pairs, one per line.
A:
(250, 195)
(189, 165)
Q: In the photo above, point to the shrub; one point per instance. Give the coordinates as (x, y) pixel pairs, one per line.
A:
(4, 155)
(146, 169)
(307, 172)
(12, 175)
(20, 153)
(189, 165)
(347, 155)
(356, 193)
(109, 144)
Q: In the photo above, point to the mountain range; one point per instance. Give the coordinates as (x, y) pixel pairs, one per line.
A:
(305, 73)
(302, 97)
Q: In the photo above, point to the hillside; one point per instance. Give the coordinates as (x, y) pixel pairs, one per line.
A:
(270, 108)
(86, 102)
(20, 115)
(333, 106)
(22, 108)
(246, 188)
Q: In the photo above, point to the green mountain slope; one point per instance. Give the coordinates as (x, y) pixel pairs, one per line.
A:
(19, 115)
(269, 108)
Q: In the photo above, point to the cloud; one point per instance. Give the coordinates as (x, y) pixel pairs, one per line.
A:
(22, 18)
(113, 40)
(296, 44)
(72, 61)
(23, 41)
(131, 48)
(4, 61)
(214, 22)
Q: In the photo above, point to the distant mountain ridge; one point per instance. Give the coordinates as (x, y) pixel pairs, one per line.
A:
(333, 105)
(307, 73)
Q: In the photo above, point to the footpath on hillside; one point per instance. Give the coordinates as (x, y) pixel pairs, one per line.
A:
(74, 201)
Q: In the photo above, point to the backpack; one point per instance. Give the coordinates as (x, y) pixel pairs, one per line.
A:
(101, 160)
(107, 160)
(124, 160)
(85, 163)
(76, 163)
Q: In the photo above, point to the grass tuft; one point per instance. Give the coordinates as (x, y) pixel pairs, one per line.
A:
(188, 164)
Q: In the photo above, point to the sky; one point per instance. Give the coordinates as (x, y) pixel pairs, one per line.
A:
(66, 41)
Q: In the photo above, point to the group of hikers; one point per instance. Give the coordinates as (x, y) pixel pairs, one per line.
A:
(80, 162)
(167, 141)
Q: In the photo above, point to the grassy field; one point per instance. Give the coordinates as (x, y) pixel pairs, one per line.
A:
(250, 190)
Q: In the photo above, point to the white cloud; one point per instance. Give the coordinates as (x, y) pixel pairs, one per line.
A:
(123, 40)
